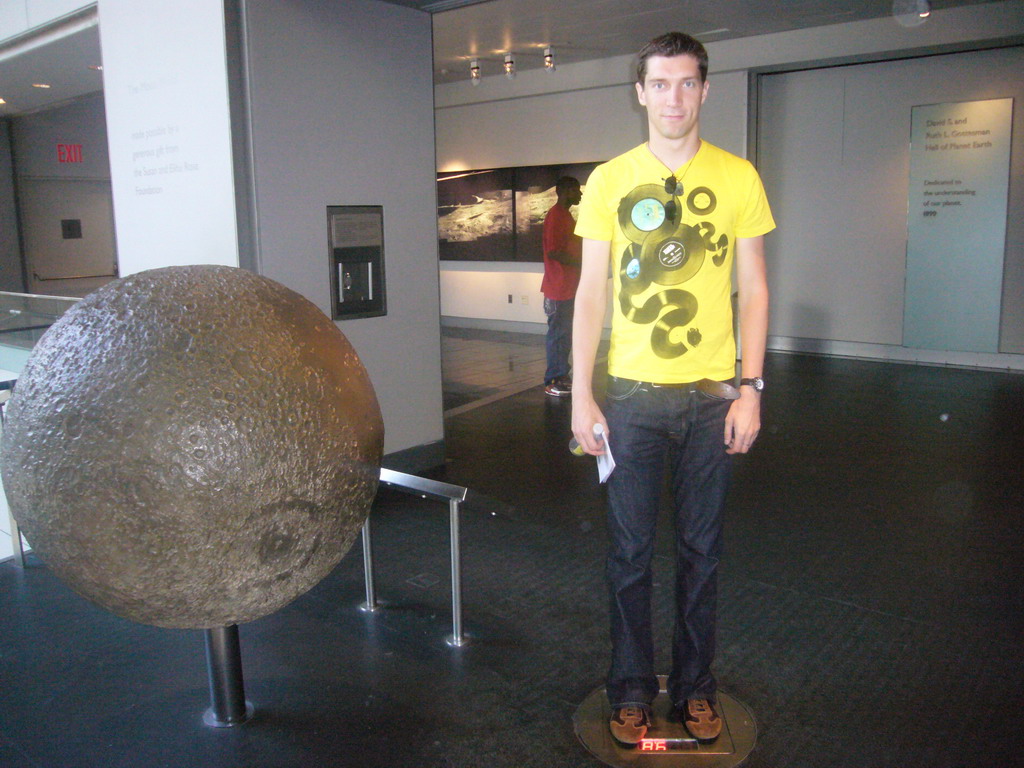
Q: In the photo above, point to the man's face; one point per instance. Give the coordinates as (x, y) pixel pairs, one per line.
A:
(573, 195)
(673, 94)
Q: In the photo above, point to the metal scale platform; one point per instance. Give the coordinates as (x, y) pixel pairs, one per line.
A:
(668, 744)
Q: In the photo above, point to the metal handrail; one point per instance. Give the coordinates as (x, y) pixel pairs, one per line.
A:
(39, 278)
(455, 495)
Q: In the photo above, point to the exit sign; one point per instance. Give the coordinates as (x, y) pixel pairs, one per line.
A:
(69, 153)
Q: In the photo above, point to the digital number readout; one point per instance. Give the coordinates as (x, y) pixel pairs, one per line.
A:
(666, 745)
(653, 745)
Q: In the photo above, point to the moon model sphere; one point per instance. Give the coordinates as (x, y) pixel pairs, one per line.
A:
(192, 447)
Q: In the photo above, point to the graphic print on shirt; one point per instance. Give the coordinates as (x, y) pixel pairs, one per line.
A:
(665, 250)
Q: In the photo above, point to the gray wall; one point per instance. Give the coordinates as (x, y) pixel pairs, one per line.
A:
(577, 125)
(50, 190)
(81, 122)
(10, 259)
(28, 150)
(342, 114)
(834, 152)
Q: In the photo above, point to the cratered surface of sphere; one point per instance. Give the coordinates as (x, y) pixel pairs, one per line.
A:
(192, 447)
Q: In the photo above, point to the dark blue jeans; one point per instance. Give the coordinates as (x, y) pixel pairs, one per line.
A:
(651, 428)
(559, 339)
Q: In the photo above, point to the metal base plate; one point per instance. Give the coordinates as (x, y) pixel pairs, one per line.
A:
(668, 743)
(210, 717)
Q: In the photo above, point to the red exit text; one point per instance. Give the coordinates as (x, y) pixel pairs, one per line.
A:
(69, 153)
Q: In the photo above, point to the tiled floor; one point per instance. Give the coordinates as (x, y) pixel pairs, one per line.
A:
(871, 610)
(479, 367)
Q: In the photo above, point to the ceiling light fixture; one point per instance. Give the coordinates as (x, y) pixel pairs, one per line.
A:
(40, 85)
(2, 100)
(911, 13)
(510, 66)
(549, 59)
(474, 72)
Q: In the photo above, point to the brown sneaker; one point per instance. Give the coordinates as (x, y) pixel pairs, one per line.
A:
(701, 719)
(629, 724)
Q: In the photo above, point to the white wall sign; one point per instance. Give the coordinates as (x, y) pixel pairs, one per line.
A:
(169, 131)
(956, 228)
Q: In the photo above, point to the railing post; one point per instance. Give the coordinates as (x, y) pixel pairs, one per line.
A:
(456, 638)
(371, 595)
(429, 489)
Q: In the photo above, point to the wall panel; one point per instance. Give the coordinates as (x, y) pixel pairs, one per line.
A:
(834, 154)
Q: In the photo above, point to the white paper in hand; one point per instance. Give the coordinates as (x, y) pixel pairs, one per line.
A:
(605, 461)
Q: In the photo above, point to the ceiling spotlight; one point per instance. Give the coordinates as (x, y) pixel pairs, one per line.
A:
(474, 72)
(510, 66)
(549, 59)
(2, 100)
(911, 13)
(40, 85)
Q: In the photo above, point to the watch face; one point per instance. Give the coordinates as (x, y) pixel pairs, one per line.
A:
(757, 383)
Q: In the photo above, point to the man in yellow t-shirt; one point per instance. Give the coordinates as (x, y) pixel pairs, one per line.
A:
(670, 220)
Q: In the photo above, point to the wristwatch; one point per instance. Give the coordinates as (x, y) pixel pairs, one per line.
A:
(757, 383)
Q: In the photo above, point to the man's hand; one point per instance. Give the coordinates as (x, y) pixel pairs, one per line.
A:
(585, 414)
(742, 423)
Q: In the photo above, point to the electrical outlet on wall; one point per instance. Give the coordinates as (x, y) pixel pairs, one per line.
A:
(510, 298)
(524, 299)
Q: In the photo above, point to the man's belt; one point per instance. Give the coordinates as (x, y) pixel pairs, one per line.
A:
(720, 390)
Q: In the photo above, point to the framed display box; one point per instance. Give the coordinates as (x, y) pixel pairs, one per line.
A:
(355, 237)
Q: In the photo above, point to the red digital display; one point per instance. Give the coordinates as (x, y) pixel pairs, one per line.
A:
(670, 744)
(653, 745)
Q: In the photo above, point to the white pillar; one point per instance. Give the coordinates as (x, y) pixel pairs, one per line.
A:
(165, 79)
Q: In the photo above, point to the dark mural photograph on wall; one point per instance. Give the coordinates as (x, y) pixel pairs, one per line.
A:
(475, 215)
(498, 214)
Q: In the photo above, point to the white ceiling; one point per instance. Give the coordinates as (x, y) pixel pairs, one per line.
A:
(61, 61)
(578, 30)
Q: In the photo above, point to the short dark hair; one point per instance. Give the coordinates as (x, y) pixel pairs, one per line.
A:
(672, 44)
(565, 183)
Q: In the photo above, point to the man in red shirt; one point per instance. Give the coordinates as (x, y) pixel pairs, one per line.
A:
(562, 254)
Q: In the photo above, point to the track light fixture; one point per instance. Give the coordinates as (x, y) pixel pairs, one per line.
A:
(911, 13)
(509, 66)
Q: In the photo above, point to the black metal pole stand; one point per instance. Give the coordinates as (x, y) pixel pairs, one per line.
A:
(228, 706)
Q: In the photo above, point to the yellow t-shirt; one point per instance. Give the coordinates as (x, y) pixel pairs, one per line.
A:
(672, 252)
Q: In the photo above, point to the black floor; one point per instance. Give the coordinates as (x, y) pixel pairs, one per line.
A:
(872, 604)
